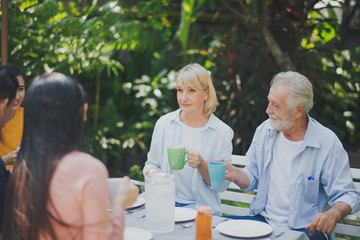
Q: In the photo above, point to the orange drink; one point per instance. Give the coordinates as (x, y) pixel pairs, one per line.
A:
(203, 223)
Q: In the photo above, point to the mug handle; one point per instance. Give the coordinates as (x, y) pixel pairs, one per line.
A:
(186, 151)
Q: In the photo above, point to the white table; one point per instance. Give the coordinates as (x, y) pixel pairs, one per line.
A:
(137, 219)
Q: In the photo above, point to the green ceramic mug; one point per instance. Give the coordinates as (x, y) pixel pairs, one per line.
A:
(176, 156)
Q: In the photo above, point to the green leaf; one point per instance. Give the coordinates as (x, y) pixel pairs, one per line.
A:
(47, 9)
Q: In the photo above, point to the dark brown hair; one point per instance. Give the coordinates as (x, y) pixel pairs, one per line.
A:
(53, 126)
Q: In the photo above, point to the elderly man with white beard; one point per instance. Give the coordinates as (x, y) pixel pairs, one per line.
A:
(299, 167)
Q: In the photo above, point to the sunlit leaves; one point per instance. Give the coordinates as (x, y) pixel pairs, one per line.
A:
(207, 64)
(189, 12)
(27, 3)
(157, 55)
(111, 7)
(47, 9)
(70, 27)
(115, 45)
(324, 32)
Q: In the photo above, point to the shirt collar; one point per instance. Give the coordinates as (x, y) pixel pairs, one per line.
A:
(311, 138)
(210, 124)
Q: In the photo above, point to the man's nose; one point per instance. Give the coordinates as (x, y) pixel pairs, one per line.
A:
(269, 109)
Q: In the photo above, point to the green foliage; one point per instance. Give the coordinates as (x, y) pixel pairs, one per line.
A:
(241, 89)
(125, 53)
(335, 73)
(136, 173)
(46, 10)
(189, 12)
(355, 222)
(237, 204)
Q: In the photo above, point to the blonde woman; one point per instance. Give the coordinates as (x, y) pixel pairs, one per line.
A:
(196, 127)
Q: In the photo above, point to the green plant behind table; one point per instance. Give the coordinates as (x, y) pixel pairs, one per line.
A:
(242, 64)
(335, 72)
(107, 49)
(136, 173)
(115, 51)
(125, 131)
(338, 90)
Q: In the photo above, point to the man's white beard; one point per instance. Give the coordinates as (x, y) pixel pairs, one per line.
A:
(282, 125)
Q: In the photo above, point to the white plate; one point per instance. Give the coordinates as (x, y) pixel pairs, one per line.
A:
(183, 214)
(244, 228)
(139, 202)
(137, 234)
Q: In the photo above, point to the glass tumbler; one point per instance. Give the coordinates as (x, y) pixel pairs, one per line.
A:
(203, 223)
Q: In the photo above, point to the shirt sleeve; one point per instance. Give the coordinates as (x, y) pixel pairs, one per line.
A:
(98, 222)
(155, 154)
(251, 165)
(337, 180)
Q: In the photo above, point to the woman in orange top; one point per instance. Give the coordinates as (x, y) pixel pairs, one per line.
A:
(11, 133)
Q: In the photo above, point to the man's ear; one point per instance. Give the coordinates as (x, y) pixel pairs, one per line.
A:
(300, 109)
(3, 103)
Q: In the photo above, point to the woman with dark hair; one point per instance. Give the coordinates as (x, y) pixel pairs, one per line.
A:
(56, 191)
(11, 133)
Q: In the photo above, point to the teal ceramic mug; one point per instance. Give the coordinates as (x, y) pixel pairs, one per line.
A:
(217, 172)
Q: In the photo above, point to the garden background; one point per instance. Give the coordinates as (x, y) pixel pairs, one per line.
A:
(126, 53)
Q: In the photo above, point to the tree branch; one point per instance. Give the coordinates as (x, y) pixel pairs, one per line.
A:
(231, 9)
(280, 58)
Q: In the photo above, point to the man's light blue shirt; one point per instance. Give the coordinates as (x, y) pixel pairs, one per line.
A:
(320, 173)
(216, 141)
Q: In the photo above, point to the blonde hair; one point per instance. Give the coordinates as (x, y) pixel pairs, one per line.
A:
(199, 77)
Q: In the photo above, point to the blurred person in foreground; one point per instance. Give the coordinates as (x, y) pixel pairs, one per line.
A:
(11, 133)
(8, 87)
(299, 167)
(196, 127)
(55, 190)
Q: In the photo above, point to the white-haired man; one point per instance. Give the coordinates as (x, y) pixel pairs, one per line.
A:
(299, 167)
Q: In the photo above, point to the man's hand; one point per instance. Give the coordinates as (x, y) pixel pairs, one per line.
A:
(235, 175)
(325, 222)
(231, 170)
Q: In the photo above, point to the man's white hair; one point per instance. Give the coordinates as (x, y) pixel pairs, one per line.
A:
(300, 87)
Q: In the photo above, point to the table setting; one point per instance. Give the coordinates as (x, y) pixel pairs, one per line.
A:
(222, 228)
(140, 202)
(154, 215)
